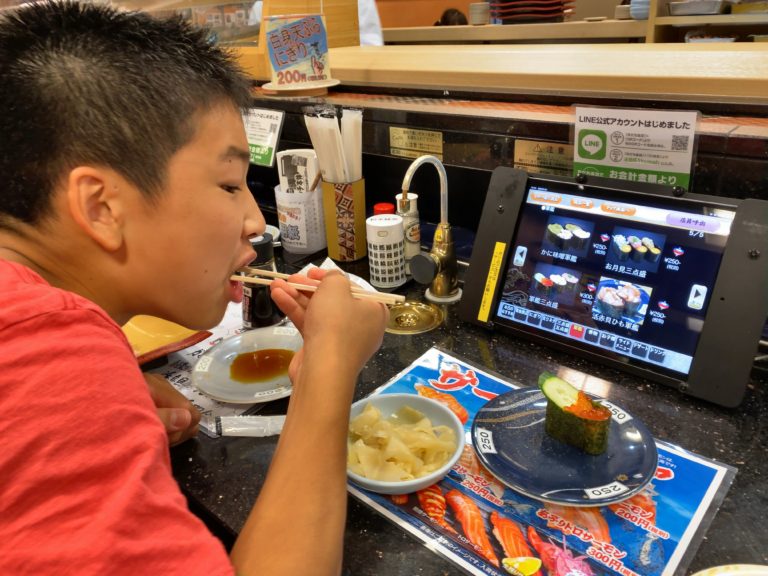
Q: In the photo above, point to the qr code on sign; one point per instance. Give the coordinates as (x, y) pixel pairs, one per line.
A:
(680, 142)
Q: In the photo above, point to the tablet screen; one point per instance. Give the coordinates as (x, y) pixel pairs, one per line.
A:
(627, 276)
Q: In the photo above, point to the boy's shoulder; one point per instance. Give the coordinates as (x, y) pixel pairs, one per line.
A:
(26, 295)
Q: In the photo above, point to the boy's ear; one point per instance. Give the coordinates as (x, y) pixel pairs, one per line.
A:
(96, 205)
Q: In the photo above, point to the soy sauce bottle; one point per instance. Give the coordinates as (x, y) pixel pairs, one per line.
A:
(258, 308)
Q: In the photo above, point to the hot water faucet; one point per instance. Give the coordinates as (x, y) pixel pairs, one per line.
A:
(438, 267)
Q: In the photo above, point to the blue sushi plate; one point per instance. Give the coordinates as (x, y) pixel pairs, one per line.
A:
(509, 438)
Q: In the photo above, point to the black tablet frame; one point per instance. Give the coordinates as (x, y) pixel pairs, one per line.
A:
(737, 310)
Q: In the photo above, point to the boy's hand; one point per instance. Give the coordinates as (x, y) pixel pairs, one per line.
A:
(294, 302)
(177, 414)
(332, 318)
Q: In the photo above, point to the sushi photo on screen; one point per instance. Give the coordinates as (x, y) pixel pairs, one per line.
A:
(568, 235)
(556, 283)
(622, 303)
(637, 249)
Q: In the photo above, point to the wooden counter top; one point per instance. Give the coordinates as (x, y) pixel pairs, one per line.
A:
(620, 29)
(728, 73)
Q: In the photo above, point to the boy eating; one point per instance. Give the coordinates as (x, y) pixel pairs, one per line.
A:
(123, 164)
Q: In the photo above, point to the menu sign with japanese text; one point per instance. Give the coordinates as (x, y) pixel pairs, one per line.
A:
(653, 146)
(262, 128)
(543, 157)
(298, 50)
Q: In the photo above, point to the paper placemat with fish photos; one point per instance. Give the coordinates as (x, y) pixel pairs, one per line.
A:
(487, 528)
(178, 371)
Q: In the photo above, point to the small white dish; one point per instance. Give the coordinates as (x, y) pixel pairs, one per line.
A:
(273, 231)
(439, 415)
(211, 374)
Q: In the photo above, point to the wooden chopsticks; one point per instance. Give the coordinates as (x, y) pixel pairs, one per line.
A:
(269, 275)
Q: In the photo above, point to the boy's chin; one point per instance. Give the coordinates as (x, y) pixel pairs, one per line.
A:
(203, 319)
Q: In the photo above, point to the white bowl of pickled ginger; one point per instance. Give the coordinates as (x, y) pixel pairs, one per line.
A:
(401, 443)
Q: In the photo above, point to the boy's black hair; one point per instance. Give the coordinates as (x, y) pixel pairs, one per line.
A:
(89, 84)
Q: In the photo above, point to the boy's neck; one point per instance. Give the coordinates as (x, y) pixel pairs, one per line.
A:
(13, 255)
(27, 256)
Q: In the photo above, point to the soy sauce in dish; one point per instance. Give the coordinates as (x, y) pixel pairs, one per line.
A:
(260, 366)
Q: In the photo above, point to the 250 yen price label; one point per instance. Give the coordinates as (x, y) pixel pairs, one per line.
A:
(618, 415)
(484, 439)
(600, 492)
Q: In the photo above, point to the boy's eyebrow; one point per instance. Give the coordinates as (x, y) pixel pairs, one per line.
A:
(239, 153)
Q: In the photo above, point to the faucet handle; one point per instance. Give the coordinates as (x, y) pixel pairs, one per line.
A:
(424, 267)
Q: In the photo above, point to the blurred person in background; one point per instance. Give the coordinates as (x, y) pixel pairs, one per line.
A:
(452, 17)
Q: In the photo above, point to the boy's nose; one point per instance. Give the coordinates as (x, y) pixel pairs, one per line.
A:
(254, 225)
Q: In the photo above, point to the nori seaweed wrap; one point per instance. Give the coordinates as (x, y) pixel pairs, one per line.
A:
(573, 417)
(638, 252)
(580, 236)
(653, 254)
(552, 234)
(571, 281)
(558, 281)
(542, 284)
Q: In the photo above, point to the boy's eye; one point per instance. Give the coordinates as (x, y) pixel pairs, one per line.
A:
(230, 189)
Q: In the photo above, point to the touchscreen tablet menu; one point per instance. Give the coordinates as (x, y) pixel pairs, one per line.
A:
(630, 278)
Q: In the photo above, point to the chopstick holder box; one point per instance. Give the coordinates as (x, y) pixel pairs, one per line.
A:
(344, 213)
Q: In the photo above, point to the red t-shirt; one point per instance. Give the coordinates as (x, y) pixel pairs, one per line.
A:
(85, 476)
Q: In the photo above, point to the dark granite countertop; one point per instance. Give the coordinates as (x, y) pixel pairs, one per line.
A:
(222, 477)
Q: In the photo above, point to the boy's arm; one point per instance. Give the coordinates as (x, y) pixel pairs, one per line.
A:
(298, 521)
(178, 415)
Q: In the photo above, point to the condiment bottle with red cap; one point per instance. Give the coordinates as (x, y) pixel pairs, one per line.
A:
(383, 208)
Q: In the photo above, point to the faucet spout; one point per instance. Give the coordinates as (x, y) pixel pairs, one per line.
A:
(427, 159)
(439, 268)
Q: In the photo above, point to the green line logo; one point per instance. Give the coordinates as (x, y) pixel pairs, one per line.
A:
(592, 144)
